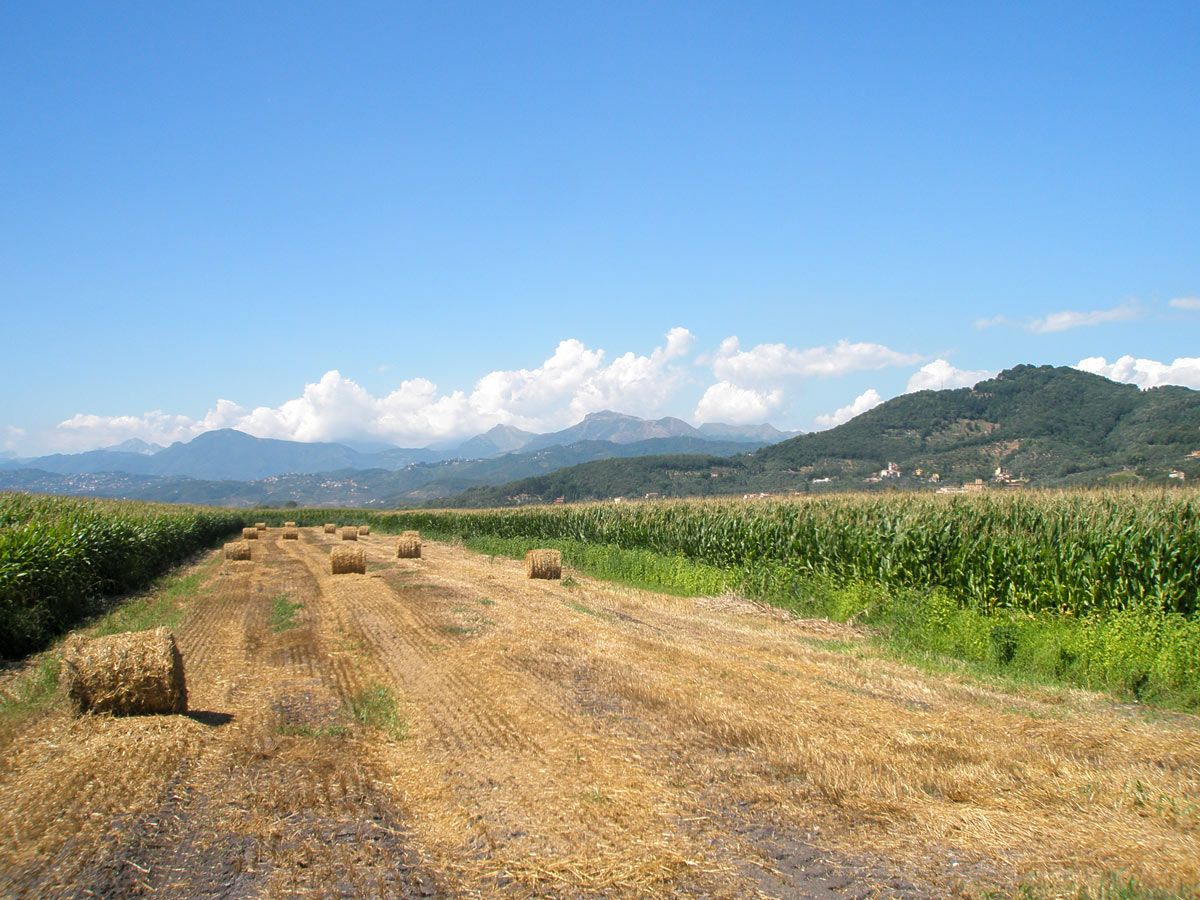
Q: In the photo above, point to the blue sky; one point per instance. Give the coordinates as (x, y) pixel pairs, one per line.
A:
(407, 223)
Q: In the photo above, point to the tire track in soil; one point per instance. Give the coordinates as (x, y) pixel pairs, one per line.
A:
(239, 809)
(825, 772)
(402, 632)
(518, 793)
(583, 661)
(773, 858)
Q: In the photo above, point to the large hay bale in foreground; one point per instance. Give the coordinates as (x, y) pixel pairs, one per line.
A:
(249, 534)
(237, 550)
(289, 524)
(291, 534)
(348, 561)
(408, 546)
(130, 674)
(543, 564)
(260, 526)
(349, 533)
(330, 528)
(364, 529)
(415, 534)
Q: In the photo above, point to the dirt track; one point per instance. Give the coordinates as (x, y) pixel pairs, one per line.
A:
(574, 741)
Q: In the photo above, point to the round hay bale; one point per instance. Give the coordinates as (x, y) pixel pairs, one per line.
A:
(261, 526)
(291, 534)
(330, 528)
(543, 564)
(131, 674)
(364, 529)
(408, 546)
(348, 561)
(289, 524)
(237, 550)
(249, 534)
(349, 533)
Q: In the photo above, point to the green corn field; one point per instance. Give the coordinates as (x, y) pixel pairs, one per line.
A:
(1069, 552)
(1078, 553)
(59, 556)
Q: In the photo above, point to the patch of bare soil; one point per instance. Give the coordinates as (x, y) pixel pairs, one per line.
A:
(575, 742)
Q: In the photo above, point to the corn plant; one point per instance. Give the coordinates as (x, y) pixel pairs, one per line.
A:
(59, 556)
(1072, 552)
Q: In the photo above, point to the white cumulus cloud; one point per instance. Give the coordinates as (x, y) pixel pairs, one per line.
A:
(939, 375)
(1146, 373)
(1184, 303)
(766, 362)
(725, 402)
(571, 383)
(867, 400)
(87, 432)
(750, 385)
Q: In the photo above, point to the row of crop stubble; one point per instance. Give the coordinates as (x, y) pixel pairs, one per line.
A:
(1097, 589)
(60, 556)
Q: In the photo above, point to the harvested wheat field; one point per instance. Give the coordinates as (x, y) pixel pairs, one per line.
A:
(445, 727)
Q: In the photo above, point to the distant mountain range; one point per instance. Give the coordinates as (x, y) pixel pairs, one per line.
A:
(1043, 426)
(134, 445)
(354, 487)
(226, 454)
(229, 467)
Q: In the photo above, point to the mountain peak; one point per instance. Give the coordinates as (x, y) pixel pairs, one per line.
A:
(748, 433)
(496, 441)
(619, 428)
(134, 445)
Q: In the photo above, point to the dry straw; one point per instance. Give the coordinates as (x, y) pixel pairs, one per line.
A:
(261, 526)
(330, 528)
(237, 550)
(289, 524)
(349, 533)
(364, 529)
(348, 561)
(414, 534)
(291, 534)
(135, 673)
(408, 546)
(249, 534)
(543, 564)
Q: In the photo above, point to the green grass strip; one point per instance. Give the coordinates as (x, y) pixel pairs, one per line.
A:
(1140, 653)
(1109, 887)
(375, 706)
(283, 613)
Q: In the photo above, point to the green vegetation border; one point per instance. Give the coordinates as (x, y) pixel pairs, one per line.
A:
(61, 557)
